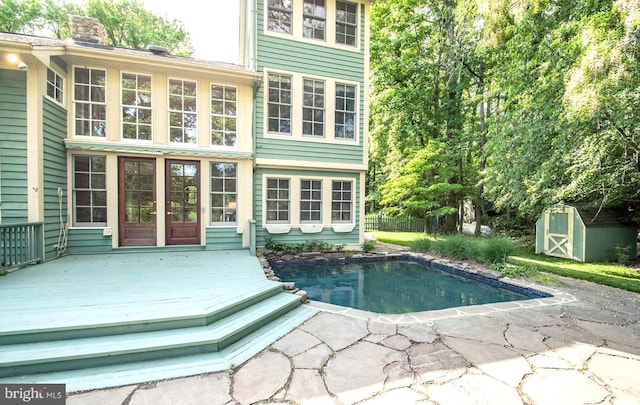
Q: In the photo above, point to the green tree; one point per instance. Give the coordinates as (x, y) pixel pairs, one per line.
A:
(128, 24)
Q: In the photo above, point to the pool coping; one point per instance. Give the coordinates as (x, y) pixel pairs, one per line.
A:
(543, 295)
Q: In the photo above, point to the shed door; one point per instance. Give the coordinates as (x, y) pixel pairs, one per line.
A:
(558, 239)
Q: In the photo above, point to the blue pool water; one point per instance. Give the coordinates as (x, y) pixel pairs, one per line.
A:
(392, 287)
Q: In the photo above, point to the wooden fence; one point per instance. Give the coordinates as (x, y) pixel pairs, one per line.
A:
(393, 224)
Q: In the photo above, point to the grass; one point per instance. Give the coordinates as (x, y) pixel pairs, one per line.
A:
(518, 261)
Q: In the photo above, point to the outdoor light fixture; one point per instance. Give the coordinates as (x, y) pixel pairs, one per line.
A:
(15, 60)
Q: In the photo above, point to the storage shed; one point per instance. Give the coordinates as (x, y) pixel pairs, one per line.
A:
(586, 233)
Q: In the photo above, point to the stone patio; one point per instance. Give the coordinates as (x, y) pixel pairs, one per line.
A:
(574, 352)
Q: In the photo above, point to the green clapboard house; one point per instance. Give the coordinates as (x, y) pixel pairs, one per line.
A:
(104, 148)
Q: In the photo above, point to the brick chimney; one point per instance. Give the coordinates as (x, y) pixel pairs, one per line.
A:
(88, 29)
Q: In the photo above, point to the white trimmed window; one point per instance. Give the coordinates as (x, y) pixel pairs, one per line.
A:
(313, 108)
(279, 104)
(55, 84)
(314, 19)
(345, 122)
(278, 200)
(90, 103)
(89, 190)
(346, 23)
(224, 116)
(183, 111)
(310, 201)
(224, 193)
(136, 106)
(280, 13)
(341, 201)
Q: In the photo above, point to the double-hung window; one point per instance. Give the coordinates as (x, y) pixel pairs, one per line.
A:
(183, 111)
(346, 23)
(279, 104)
(341, 201)
(345, 121)
(224, 115)
(136, 106)
(313, 108)
(278, 200)
(314, 23)
(90, 104)
(310, 201)
(55, 84)
(224, 193)
(280, 14)
(89, 190)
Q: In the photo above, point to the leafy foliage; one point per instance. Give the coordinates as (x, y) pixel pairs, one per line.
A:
(127, 22)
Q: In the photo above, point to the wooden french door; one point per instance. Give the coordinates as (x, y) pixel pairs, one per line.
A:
(182, 202)
(137, 201)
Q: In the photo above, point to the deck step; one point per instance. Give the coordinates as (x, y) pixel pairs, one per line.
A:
(182, 366)
(29, 358)
(168, 314)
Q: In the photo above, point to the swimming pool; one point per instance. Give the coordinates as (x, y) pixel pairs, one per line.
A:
(396, 286)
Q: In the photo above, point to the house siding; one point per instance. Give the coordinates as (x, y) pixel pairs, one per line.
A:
(223, 238)
(13, 146)
(87, 241)
(295, 235)
(55, 175)
(318, 60)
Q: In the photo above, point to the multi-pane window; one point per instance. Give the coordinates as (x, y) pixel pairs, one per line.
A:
(345, 122)
(224, 115)
(279, 105)
(224, 192)
(314, 14)
(136, 106)
(278, 200)
(89, 190)
(310, 200)
(313, 108)
(183, 111)
(89, 96)
(346, 22)
(341, 201)
(279, 16)
(55, 84)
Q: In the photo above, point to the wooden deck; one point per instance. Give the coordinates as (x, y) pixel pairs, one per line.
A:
(120, 314)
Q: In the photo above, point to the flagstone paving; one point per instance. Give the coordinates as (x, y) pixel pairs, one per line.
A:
(582, 352)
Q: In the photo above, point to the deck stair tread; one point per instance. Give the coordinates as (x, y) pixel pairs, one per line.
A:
(96, 347)
(176, 308)
(153, 370)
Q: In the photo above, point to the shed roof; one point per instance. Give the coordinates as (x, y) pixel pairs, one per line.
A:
(596, 216)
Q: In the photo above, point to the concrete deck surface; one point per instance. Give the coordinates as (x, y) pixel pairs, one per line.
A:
(583, 351)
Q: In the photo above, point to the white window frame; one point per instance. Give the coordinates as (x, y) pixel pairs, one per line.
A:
(183, 112)
(297, 110)
(306, 204)
(295, 205)
(341, 202)
(344, 112)
(229, 217)
(90, 103)
(138, 107)
(278, 199)
(225, 118)
(269, 9)
(316, 105)
(57, 85)
(279, 103)
(314, 19)
(347, 24)
(89, 189)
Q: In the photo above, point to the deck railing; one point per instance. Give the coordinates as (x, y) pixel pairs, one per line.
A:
(20, 244)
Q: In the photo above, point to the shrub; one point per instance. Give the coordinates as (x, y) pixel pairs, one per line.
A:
(496, 250)
(421, 245)
(369, 245)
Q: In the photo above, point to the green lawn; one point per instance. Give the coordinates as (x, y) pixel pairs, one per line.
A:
(611, 274)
